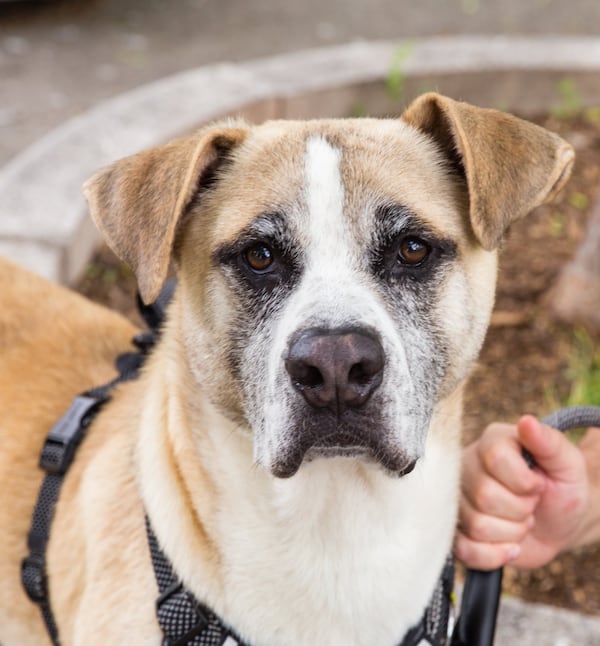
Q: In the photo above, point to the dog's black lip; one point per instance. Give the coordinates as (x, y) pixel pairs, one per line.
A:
(396, 465)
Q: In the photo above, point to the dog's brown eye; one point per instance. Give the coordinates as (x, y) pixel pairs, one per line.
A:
(259, 257)
(413, 251)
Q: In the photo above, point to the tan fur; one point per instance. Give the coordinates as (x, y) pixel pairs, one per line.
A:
(154, 187)
(54, 344)
(494, 148)
(162, 439)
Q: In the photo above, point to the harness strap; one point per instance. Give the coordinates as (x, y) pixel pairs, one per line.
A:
(184, 620)
(57, 455)
(437, 623)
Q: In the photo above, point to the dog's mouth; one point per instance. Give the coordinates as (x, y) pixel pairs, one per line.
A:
(347, 443)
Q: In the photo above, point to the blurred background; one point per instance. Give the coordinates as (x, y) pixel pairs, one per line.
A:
(59, 57)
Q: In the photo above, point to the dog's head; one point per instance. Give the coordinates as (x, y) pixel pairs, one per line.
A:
(336, 276)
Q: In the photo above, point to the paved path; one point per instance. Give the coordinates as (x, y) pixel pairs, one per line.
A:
(59, 57)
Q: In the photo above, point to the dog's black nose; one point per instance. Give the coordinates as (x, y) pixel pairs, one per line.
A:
(336, 369)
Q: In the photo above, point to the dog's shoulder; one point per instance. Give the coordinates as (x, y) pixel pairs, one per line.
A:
(33, 307)
(54, 344)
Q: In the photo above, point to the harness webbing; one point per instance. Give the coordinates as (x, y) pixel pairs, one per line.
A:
(184, 621)
(56, 457)
(437, 622)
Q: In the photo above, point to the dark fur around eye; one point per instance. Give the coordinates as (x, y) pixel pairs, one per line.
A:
(405, 247)
(264, 256)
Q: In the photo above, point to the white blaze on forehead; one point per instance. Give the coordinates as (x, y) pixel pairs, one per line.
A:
(325, 199)
(336, 290)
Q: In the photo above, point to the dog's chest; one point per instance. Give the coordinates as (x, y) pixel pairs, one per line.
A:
(338, 563)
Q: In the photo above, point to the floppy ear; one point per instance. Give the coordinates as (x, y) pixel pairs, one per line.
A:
(138, 202)
(510, 166)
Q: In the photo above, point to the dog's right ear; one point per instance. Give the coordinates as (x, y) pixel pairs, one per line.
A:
(138, 202)
(510, 166)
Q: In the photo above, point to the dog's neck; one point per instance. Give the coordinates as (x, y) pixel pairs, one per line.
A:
(328, 556)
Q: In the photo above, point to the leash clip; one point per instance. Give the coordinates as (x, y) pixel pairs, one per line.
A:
(63, 439)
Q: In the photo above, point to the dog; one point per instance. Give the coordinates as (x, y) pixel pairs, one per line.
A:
(294, 438)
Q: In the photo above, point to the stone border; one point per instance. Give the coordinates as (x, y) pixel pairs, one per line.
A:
(43, 218)
(534, 624)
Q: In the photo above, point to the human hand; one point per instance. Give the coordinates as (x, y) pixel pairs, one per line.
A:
(511, 513)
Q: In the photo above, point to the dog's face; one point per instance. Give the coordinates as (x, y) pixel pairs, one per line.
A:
(336, 276)
(340, 294)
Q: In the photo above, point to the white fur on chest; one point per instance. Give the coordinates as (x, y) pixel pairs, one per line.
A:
(339, 554)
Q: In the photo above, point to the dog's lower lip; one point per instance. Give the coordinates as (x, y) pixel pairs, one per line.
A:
(407, 469)
(288, 468)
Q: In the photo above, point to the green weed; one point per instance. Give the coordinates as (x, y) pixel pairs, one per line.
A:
(584, 372)
(570, 100)
(592, 115)
(556, 225)
(359, 110)
(396, 74)
(583, 375)
(579, 200)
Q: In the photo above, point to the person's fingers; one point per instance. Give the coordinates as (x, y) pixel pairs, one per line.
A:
(487, 495)
(501, 457)
(552, 451)
(483, 527)
(484, 556)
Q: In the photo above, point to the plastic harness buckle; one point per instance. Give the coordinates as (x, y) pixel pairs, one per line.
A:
(33, 577)
(67, 433)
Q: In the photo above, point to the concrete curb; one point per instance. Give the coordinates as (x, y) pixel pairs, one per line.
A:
(43, 217)
(533, 624)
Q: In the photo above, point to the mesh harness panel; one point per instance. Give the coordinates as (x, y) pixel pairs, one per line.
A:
(182, 619)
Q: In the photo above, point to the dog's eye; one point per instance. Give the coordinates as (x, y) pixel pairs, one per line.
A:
(413, 251)
(259, 257)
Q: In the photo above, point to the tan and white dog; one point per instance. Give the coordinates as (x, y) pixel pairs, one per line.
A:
(294, 438)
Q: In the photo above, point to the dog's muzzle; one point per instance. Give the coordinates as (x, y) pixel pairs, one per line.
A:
(336, 374)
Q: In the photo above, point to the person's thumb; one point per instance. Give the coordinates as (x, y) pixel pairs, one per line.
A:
(552, 451)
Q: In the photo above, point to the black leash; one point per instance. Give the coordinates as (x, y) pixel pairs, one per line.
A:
(481, 593)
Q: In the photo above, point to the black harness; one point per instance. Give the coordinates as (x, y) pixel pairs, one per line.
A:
(184, 620)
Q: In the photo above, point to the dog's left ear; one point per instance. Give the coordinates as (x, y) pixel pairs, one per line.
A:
(138, 202)
(510, 166)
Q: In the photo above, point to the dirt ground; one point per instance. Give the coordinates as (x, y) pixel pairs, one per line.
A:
(528, 359)
(532, 364)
